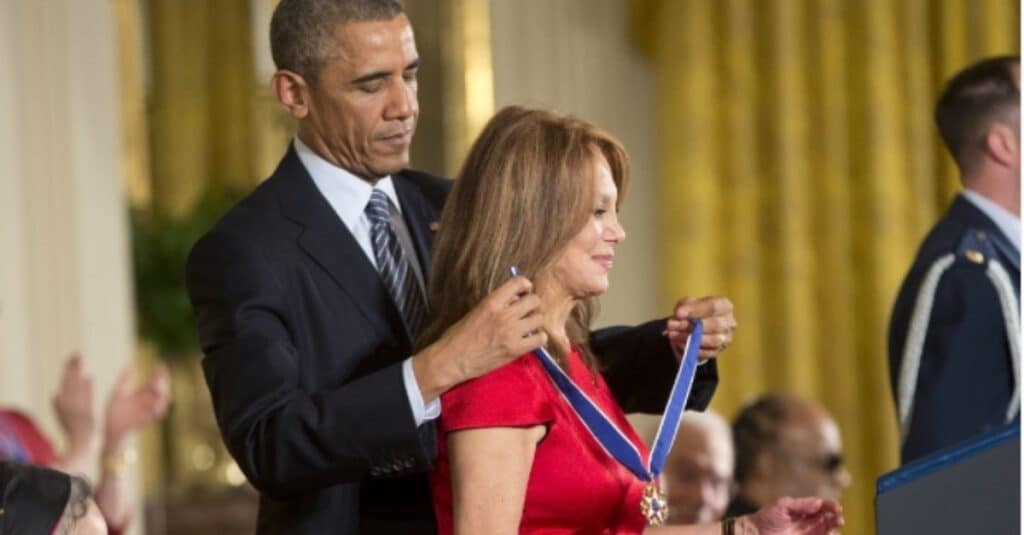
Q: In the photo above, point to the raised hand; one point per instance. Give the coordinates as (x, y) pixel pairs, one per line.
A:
(130, 408)
(73, 404)
(504, 325)
(719, 324)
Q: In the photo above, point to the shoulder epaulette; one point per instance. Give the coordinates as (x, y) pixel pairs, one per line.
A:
(975, 247)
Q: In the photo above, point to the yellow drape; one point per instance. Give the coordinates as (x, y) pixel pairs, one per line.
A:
(196, 119)
(211, 122)
(798, 171)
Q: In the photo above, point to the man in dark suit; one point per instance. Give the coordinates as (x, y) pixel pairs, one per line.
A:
(309, 292)
(954, 336)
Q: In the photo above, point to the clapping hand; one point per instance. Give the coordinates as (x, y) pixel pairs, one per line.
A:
(719, 324)
(130, 407)
(73, 404)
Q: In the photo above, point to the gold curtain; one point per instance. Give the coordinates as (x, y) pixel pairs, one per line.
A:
(798, 171)
(211, 122)
(468, 82)
(195, 117)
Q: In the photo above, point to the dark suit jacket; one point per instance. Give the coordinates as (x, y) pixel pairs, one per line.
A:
(303, 349)
(966, 378)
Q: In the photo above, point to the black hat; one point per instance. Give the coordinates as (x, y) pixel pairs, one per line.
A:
(32, 498)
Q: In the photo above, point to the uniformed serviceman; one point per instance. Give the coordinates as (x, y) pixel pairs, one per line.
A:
(954, 335)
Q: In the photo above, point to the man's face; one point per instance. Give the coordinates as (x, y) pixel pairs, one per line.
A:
(698, 475)
(809, 457)
(362, 106)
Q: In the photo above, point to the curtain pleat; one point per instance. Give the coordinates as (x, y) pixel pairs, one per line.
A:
(212, 124)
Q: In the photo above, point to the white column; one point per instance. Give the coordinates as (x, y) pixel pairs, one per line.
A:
(65, 278)
(15, 349)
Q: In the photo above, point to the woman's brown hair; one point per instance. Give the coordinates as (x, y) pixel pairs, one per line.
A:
(525, 190)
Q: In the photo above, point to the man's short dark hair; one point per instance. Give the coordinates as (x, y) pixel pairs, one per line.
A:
(984, 93)
(755, 429)
(302, 31)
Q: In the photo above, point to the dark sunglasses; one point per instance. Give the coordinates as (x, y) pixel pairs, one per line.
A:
(831, 462)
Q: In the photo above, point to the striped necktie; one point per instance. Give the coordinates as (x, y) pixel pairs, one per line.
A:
(393, 264)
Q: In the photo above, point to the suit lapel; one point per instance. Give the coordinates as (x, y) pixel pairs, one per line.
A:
(330, 244)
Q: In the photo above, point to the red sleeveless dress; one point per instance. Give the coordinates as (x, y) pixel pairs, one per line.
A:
(574, 485)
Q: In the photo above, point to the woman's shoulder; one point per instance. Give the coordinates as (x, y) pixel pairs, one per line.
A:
(522, 373)
(515, 394)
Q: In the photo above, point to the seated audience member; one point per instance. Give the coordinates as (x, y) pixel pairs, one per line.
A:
(128, 409)
(785, 446)
(36, 500)
(698, 473)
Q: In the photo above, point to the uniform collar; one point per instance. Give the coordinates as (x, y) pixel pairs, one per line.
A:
(1007, 223)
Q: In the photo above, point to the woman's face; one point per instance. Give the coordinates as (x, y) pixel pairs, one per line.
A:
(581, 270)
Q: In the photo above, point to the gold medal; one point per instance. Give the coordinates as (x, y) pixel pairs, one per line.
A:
(654, 505)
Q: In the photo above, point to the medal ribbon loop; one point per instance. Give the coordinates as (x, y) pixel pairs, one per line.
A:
(604, 430)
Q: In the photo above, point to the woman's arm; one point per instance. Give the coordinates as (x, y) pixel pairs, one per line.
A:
(490, 468)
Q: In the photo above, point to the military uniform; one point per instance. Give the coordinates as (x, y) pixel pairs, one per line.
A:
(952, 365)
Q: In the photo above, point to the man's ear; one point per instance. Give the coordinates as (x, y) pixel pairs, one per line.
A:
(292, 92)
(1002, 145)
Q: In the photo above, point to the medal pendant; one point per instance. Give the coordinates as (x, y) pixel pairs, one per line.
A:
(654, 505)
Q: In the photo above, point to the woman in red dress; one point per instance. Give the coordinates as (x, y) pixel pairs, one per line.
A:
(540, 191)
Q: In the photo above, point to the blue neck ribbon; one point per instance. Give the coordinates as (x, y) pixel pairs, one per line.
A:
(610, 437)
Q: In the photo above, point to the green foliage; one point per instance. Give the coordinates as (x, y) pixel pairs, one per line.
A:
(160, 246)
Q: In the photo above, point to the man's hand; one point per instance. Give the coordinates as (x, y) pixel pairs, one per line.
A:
(794, 516)
(505, 325)
(719, 324)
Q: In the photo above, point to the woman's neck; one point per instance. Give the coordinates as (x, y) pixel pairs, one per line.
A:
(556, 306)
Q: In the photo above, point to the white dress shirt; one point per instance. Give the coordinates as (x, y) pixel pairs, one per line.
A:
(1007, 223)
(348, 195)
